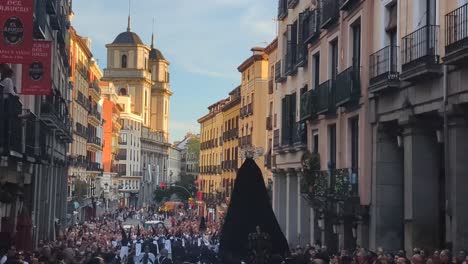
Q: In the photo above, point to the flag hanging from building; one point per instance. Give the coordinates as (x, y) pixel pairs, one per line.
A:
(37, 70)
(16, 30)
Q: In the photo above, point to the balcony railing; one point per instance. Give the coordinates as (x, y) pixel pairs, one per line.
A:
(290, 58)
(93, 166)
(308, 104)
(383, 65)
(420, 47)
(280, 71)
(95, 86)
(95, 113)
(314, 26)
(276, 138)
(348, 86)
(456, 35)
(81, 130)
(330, 11)
(333, 185)
(282, 9)
(54, 112)
(83, 101)
(10, 124)
(326, 97)
(94, 140)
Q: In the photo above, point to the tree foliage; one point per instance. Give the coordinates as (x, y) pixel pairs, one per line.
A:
(193, 146)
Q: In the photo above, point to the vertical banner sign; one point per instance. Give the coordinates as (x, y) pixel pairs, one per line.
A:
(37, 70)
(16, 30)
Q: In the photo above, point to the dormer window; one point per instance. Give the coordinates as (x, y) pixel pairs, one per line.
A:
(124, 61)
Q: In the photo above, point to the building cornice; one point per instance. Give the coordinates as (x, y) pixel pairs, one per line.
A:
(271, 47)
(250, 61)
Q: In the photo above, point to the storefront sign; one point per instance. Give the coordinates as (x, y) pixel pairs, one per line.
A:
(37, 70)
(16, 30)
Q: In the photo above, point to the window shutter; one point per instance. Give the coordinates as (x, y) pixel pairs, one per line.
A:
(285, 117)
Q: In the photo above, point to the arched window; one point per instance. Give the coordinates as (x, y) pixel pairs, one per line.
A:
(124, 61)
(123, 92)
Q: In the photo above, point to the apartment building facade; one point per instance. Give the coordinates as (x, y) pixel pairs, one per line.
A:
(211, 155)
(254, 94)
(35, 132)
(321, 105)
(418, 111)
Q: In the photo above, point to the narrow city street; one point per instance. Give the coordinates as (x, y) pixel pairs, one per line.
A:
(234, 131)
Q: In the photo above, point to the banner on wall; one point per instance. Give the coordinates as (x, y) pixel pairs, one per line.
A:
(16, 30)
(37, 70)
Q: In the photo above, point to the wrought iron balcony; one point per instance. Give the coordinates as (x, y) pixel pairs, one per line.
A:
(276, 139)
(326, 98)
(280, 74)
(10, 125)
(383, 69)
(299, 136)
(94, 140)
(95, 87)
(313, 29)
(420, 56)
(81, 130)
(348, 86)
(456, 36)
(94, 113)
(83, 101)
(54, 113)
(93, 166)
(308, 105)
(330, 11)
(290, 58)
(83, 70)
(282, 9)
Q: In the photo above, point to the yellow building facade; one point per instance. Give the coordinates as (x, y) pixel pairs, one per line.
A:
(254, 98)
(230, 162)
(211, 149)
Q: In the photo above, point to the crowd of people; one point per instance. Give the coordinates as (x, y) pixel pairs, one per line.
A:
(124, 237)
(182, 237)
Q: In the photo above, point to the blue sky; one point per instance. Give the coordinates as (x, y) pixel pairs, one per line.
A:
(205, 41)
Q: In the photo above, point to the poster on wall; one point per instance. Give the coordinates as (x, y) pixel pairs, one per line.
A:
(37, 70)
(16, 30)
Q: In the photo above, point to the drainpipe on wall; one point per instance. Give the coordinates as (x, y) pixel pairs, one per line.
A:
(448, 202)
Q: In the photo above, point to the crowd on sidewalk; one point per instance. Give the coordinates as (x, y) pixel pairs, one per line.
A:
(182, 237)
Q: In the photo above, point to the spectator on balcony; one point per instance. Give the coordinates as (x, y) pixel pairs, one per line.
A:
(6, 81)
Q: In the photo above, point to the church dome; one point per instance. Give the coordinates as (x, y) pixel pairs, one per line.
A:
(129, 38)
(156, 54)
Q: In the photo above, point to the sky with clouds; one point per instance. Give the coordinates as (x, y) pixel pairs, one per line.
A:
(205, 41)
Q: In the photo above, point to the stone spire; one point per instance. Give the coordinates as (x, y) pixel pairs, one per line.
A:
(128, 25)
(129, 18)
(152, 36)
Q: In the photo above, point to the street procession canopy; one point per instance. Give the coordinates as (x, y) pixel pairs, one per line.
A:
(250, 207)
